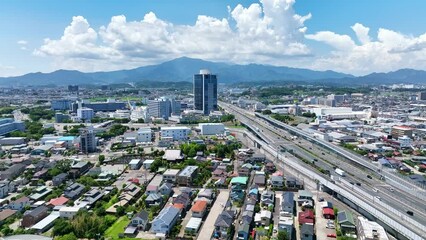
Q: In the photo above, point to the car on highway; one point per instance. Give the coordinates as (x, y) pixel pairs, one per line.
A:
(369, 176)
(331, 235)
(410, 213)
(391, 189)
(323, 153)
(358, 184)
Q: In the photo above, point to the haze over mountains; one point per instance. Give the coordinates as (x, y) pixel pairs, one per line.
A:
(182, 69)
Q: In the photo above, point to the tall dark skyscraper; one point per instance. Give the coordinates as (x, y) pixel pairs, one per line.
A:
(205, 91)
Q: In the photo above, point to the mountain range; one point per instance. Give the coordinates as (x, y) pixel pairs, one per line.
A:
(182, 69)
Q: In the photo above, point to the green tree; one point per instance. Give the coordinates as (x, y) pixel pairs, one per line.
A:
(62, 227)
(69, 236)
(282, 235)
(101, 158)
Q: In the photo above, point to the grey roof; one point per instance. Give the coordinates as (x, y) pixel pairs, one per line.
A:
(225, 219)
(167, 215)
(36, 211)
(61, 176)
(153, 197)
(188, 171)
(277, 179)
(142, 214)
(245, 227)
(288, 199)
(79, 164)
(307, 229)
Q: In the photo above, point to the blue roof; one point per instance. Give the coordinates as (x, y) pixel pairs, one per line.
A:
(168, 214)
(383, 161)
(67, 138)
(254, 191)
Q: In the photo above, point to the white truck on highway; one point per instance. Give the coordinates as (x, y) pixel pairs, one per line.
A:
(340, 172)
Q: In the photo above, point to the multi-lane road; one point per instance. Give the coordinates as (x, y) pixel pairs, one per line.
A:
(356, 177)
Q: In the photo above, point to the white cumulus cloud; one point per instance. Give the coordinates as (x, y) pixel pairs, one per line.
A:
(268, 32)
(391, 51)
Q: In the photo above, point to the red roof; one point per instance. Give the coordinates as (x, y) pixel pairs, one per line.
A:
(178, 205)
(328, 211)
(58, 201)
(199, 206)
(306, 217)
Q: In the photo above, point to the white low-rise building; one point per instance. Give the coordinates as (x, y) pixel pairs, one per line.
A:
(175, 133)
(369, 230)
(68, 212)
(144, 135)
(211, 128)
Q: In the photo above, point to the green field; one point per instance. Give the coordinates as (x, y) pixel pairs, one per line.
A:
(117, 228)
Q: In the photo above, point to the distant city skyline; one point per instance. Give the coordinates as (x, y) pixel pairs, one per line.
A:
(356, 37)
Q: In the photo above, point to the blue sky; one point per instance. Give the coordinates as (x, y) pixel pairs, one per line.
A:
(324, 40)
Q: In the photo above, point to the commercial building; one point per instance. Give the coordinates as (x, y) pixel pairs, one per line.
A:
(87, 140)
(211, 128)
(399, 131)
(85, 114)
(159, 108)
(8, 125)
(12, 141)
(422, 96)
(61, 105)
(186, 175)
(144, 135)
(109, 106)
(205, 91)
(175, 133)
(60, 117)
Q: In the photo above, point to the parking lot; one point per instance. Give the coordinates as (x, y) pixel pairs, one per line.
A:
(320, 222)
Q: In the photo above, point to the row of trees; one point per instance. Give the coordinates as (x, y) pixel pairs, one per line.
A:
(38, 113)
(33, 130)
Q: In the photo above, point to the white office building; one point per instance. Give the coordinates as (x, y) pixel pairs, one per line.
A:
(85, 114)
(175, 133)
(211, 128)
(144, 135)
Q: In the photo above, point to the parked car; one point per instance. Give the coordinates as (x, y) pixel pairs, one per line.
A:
(331, 235)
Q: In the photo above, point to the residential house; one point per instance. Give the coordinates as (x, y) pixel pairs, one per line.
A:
(286, 223)
(74, 191)
(267, 198)
(92, 196)
(259, 178)
(140, 220)
(328, 213)
(245, 170)
(59, 179)
(270, 167)
(170, 175)
(199, 209)
(307, 231)
(153, 199)
(263, 218)
(223, 224)
(304, 195)
(6, 187)
(42, 174)
(277, 182)
(40, 193)
(243, 231)
(239, 181)
(150, 189)
(185, 177)
(346, 222)
(79, 168)
(165, 220)
(306, 216)
(166, 189)
(60, 201)
(184, 199)
(292, 182)
(32, 217)
(205, 193)
(257, 157)
(12, 172)
(219, 173)
(287, 204)
(20, 203)
(193, 225)
(247, 216)
(5, 214)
